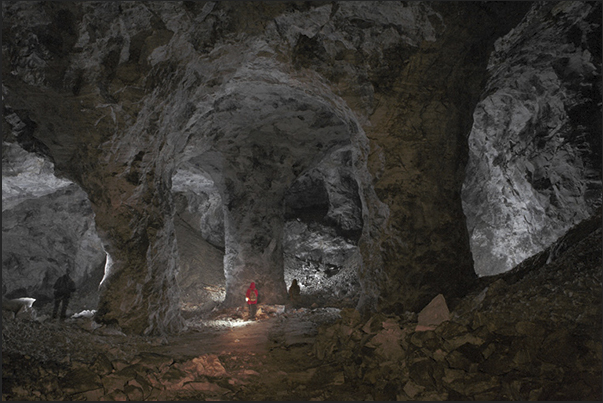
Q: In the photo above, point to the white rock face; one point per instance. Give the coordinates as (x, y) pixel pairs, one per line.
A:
(26, 176)
(534, 166)
(45, 230)
(324, 264)
(200, 204)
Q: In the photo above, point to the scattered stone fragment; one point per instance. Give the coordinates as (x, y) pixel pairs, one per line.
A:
(433, 314)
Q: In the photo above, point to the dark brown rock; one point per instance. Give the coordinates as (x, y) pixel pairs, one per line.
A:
(81, 380)
(102, 365)
(558, 348)
(498, 363)
(457, 360)
(422, 373)
(133, 392)
(471, 352)
(153, 361)
(113, 382)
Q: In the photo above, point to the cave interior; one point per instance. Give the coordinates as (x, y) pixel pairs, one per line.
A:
(379, 153)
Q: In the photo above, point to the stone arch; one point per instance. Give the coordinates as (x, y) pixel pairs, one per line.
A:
(255, 139)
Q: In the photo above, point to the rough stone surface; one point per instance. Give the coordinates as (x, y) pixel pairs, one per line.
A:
(433, 314)
(253, 96)
(483, 352)
(198, 204)
(535, 147)
(324, 264)
(47, 225)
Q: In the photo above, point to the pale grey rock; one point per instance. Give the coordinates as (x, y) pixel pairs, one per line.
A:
(329, 193)
(47, 225)
(324, 264)
(40, 237)
(534, 165)
(200, 204)
(26, 176)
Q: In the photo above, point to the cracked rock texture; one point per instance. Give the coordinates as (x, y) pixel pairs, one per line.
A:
(534, 165)
(47, 225)
(184, 121)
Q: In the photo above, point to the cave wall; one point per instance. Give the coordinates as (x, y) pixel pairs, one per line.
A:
(418, 150)
(62, 69)
(199, 225)
(122, 95)
(47, 226)
(534, 169)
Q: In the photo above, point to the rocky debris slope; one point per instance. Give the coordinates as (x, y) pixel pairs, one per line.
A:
(534, 166)
(532, 334)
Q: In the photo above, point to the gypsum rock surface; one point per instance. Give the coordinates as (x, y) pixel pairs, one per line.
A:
(198, 203)
(328, 194)
(199, 225)
(137, 71)
(200, 273)
(25, 175)
(417, 159)
(535, 147)
(47, 225)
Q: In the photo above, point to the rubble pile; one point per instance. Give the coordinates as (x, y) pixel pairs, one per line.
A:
(148, 376)
(530, 334)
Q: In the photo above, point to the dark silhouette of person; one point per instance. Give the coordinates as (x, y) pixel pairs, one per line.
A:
(294, 293)
(252, 299)
(63, 288)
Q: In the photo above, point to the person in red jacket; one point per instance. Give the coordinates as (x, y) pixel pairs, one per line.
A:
(252, 299)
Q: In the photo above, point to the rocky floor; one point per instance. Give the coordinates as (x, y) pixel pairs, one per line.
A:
(534, 333)
(224, 357)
